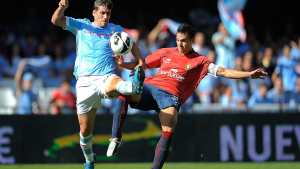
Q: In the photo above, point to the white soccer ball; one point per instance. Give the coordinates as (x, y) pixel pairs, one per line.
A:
(120, 43)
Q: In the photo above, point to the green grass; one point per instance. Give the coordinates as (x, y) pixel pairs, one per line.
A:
(267, 165)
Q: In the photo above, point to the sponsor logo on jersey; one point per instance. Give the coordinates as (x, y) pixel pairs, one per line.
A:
(112, 28)
(167, 60)
(188, 66)
(172, 73)
(98, 34)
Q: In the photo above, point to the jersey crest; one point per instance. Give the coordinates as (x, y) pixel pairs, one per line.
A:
(188, 66)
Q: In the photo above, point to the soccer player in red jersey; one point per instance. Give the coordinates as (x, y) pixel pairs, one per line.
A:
(181, 70)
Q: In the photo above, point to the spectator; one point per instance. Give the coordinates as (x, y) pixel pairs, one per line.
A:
(254, 83)
(26, 98)
(63, 100)
(225, 48)
(159, 37)
(259, 96)
(285, 68)
(15, 56)
(41, 63)
(4, 69)
(295, 51)
(227, 99)
(276, 93)
(240, 87)
(268, 61)
(29, 45)
(199, 46)
(206, 88)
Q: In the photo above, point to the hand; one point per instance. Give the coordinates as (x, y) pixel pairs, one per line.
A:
(64, 4)
(119, 59)
(258, 74)
(133, 70)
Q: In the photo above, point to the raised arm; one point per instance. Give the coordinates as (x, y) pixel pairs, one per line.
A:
(58, 18)
(155, 31)
(235, 74)
(18, 77)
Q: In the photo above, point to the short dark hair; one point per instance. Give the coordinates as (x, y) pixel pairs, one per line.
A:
(186, 28)
(107, 3)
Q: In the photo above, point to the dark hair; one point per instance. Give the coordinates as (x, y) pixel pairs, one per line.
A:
(186, 28)
(107, 3)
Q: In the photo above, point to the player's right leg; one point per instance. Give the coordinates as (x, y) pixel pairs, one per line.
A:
(86, 122)
(88, 101)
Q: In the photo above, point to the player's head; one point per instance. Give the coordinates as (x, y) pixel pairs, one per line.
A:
(102, 12)
(185, 38)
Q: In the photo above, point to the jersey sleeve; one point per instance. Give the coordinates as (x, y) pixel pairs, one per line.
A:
(154, 59)
(204, 66)
(73, 25)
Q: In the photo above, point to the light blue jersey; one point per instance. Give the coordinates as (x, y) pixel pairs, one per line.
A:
(225, 51)
(285, 68)
(93, 55)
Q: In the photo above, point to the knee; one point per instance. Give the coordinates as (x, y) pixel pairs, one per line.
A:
(168, 128)
(85, 131)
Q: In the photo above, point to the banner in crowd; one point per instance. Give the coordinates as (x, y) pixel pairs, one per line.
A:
(231, 15)
(205, 137)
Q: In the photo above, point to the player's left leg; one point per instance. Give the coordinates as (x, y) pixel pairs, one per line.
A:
(116, 85)
(141, 102)
(168, 119)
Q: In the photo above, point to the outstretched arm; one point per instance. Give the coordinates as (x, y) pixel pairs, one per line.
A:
(58, 18)
(235, 74)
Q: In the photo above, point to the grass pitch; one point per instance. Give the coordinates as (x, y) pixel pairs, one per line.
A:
(202, 165)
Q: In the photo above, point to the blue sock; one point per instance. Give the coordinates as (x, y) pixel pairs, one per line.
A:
(86, 146)
(125, 87)
(162, 150)
(120, 115)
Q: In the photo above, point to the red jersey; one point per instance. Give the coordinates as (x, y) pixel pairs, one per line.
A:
(178, 74)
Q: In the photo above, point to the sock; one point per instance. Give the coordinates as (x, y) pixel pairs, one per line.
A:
(162, 150)
(125, 87)
(86, 146)
(120, 115)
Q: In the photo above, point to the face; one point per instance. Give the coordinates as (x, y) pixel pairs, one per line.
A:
(184, 43)
(101, 16)
(263, 91)
(65, 87)
(286, 51)
(199, 38)
(27, 84)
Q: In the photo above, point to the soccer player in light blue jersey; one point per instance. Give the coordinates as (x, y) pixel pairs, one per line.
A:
(94, 67)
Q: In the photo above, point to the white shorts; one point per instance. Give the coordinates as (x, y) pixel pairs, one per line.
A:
(89, 92)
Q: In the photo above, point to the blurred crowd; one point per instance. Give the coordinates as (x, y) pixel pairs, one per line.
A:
(49, 58)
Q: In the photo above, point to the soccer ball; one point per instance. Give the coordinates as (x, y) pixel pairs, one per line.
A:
(120, 43)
